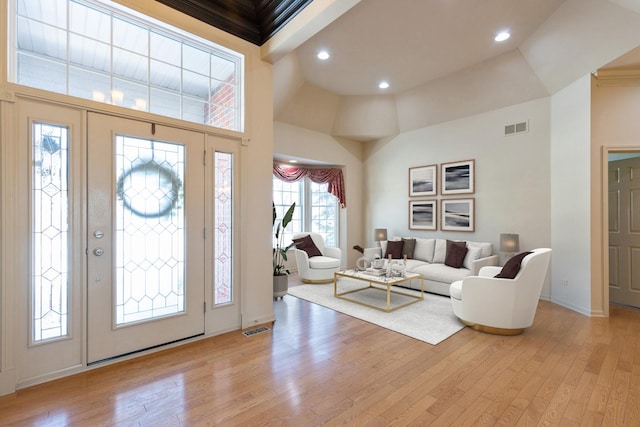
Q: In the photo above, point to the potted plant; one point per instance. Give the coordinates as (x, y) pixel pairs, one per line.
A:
(280, 272)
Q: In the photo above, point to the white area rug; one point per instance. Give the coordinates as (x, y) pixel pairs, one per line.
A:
(431, 320)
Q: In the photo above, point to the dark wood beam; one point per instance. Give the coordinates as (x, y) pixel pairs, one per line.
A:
(255, 21)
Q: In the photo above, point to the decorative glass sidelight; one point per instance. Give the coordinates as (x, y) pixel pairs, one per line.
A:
(223, 228)
(150, 229)
(50, 232)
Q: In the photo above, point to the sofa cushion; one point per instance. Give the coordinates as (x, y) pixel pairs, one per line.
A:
(306, 244)
(408, 247)
(322, 262)
(440, 251)
(394, 248)
(442, 273)
(512, 267)
(473, 253)
(412, 264)
(424, 249)
(456, 252)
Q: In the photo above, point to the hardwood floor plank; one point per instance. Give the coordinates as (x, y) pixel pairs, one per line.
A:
(557, 406)
(578, 403)
(472, 413)
(319, 367)
(533, 413)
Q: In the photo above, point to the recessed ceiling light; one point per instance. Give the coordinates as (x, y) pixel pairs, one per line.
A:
(383, 85)
(502, 36)
(323, 55)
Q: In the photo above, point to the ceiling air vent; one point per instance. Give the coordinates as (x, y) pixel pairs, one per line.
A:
(516, 128)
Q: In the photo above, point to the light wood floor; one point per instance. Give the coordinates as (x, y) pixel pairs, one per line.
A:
(316, 366)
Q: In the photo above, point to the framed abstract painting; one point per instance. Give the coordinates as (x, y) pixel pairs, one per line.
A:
(458, 177)
(423, 181)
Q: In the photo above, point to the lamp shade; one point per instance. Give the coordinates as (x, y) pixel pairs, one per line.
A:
(380, 234)
(509, 243)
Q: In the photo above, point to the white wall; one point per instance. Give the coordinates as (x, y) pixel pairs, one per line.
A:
(512, 185)
(570, 196)
(307, 144)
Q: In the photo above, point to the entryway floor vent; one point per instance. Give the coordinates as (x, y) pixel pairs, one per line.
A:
(251, 332)
(516, 128)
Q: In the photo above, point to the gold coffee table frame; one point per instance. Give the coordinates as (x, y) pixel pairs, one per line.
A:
(387, 282)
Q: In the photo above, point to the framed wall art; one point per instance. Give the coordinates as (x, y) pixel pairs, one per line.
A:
(458, 177)
(423, 214)
(457, 215)
(423, 181)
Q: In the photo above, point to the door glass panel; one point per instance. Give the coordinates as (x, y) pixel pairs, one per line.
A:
(150, 229)
(50, 232)
(223, 228)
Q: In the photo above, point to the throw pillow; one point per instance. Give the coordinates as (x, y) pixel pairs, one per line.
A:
(394, 248)
(454, 242)
(306, 244)
(440, 251)
(424, 249)
(408, 247)
(456, 252)
(473, 254)
(511, 267)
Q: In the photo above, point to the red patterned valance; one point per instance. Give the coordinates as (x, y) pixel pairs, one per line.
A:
(331, 176)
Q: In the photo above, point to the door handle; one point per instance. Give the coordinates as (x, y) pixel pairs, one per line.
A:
(98, 251)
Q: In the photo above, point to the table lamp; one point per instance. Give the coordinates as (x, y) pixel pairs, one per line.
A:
(509, 244)
(380, 234)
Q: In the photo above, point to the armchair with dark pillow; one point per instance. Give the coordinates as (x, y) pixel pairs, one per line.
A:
(316, 262)
(502, 300)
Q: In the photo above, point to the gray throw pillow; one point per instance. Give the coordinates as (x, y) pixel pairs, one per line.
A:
(408, 247)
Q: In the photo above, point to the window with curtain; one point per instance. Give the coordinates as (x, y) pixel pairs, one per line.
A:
(316, 208)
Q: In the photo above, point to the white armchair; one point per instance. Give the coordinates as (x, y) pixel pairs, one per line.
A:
(501, 306)
(317, 269)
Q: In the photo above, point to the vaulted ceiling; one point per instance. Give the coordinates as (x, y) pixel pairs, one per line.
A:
(255, 21)
(438, 56)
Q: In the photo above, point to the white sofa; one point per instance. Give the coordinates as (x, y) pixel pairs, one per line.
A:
(429, 257)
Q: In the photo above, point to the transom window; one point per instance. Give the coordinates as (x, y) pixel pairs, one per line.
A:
(98, 50)
(316, 209)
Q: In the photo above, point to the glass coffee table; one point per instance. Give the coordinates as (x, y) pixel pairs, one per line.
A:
(380, 283)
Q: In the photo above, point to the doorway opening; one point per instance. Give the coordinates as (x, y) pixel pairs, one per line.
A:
(622, 248)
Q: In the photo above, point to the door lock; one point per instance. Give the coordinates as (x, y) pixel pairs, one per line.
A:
(98, 251)
(98, 234)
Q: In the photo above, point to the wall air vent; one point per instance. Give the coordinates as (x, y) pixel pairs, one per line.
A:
(516, 128)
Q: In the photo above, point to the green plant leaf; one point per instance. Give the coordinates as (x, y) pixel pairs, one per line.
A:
(288, 216)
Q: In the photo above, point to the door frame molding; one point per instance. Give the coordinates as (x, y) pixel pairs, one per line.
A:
(601, 288)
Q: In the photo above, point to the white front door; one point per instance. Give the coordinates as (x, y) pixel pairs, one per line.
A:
(146, 219)
(624, 232)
